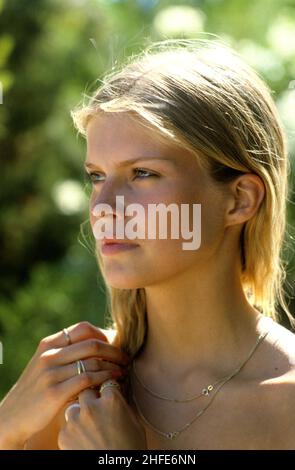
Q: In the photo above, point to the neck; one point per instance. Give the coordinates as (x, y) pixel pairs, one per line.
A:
(198, 320)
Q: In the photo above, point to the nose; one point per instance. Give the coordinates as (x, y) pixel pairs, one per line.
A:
(108, 203)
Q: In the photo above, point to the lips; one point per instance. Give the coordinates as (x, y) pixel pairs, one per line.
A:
(114, 246)
(115, 241)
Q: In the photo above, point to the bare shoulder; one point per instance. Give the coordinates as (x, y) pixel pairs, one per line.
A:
(280, 343)
(278, 382)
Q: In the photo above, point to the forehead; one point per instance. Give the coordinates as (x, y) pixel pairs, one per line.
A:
(121, 135)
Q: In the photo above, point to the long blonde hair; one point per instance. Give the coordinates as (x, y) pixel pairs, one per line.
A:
(203, 96)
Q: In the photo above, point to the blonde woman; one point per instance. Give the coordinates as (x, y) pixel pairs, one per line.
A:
(189, 123)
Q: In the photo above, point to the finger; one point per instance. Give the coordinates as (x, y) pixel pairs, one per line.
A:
(86, 396)
(109, 387)
(72, 411)
(73, 334)
(65, 372)
(71, 388)
(89, 348)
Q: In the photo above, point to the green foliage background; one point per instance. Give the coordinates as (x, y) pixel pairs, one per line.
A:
(51, 52)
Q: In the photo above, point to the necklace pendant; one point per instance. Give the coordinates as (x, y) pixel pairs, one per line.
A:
(207, 390)
(172, 435)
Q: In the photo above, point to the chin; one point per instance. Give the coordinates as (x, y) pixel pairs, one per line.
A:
(121, 279)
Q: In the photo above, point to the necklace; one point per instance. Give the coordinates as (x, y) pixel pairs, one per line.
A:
(173, 434)
(205, 391)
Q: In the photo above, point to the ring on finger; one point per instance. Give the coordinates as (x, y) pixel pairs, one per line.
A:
(109, 383)
(80, 367)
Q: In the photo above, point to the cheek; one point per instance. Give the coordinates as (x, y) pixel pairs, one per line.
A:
(137, 269)
(170, 256)
(201, 229)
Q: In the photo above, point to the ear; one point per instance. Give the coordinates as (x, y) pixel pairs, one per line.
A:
(245, 196)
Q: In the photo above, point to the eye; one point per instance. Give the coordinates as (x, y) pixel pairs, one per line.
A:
(141, 173)
(91, 176)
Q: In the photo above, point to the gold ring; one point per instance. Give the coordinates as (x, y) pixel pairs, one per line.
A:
(80, 367)
(109, 383)
(68, 338)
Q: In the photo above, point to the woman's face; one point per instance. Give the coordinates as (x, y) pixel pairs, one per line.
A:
(166, 174)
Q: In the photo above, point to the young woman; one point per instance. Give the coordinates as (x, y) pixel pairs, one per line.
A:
(190, 124)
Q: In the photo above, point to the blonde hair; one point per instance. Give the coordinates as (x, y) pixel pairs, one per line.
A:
(203, 96)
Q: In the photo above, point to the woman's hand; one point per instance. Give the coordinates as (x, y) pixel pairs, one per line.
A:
(102, 423)
(51, 379)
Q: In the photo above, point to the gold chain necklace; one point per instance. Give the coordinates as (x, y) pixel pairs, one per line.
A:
(173, 434)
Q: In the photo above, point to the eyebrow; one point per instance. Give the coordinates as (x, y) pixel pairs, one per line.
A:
(133, 160)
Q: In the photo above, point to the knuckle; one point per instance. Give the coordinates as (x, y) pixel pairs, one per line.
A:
(95, 346)
(43, 344)
(46, 357)
(85, 327)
